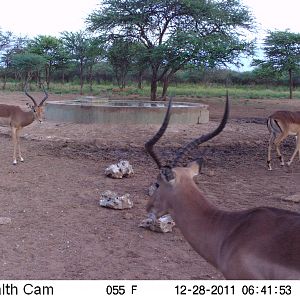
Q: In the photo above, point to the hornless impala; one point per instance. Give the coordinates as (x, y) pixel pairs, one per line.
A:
(281, 124)
(16, 118)
(258, 243)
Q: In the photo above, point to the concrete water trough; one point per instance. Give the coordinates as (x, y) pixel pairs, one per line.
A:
(95, 110)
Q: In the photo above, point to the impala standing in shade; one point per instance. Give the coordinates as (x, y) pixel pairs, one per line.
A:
(258, 243)
(17, 119)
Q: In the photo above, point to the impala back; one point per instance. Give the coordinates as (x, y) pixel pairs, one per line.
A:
(5, 114)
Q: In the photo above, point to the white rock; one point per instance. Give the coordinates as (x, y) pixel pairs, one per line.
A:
(163, 224)
(114, 172)
(5, 220)
(292, 198)
(112, 200)
(152, 188)
(119, 170)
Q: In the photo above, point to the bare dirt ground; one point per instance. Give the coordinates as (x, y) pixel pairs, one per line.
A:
(59, 231)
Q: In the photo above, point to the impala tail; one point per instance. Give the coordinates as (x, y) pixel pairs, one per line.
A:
(273, 126)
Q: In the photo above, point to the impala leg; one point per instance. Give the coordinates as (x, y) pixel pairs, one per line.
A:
(297, 141)
(277, 143)
(19, 145)
(15, 141)
(271, 140)
(297, 149)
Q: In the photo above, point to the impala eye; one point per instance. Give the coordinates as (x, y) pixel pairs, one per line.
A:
(156, 185)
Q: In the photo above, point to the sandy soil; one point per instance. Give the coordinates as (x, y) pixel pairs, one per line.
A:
(59, 231)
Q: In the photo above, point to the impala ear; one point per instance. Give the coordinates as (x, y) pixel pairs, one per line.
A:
(195, 166)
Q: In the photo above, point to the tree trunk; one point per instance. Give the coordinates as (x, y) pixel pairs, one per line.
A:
(140, 80)
(47, 71)
(154, 83)
(124, 73)
(81, 77)
(63, 77)
(91, 77)
(153, 89)
(118, 77)
(291, 83)
(4, 81)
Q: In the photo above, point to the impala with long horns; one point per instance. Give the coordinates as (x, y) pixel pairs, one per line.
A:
(281, 124)
(16, 118)
(258, 243)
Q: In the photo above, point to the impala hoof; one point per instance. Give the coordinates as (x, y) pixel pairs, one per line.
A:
(14, 162)
(21, 159)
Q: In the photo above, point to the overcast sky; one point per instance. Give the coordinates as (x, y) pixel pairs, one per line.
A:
(39, 17)
(276, 14)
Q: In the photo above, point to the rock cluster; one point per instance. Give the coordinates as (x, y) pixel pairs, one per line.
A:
(152, 188)
(293, 198)
(119, 170)
(112, 200)
(5, 220)
(163, 224)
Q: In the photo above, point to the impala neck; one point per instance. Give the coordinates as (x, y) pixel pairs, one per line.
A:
(201, 223)
(28, 118)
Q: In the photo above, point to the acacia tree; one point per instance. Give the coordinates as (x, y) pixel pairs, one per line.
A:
(174, 32)
(95, 52)
(5, 39)
(210, 51)
(83, 49)
(120, 55)
(49, 47)
(140, 62)
(14, 45)
(27, 65)
(282, 54)
(62, 60)
(76, 43)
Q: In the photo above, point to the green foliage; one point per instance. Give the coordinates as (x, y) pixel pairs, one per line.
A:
(176, 32)
(76, 43)
(26, 64)
(186, 92)
(82, 48)
(48, 46)
(153, 44)
(51, 49)
(282, 51)
(282, 54)
(121, 55)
